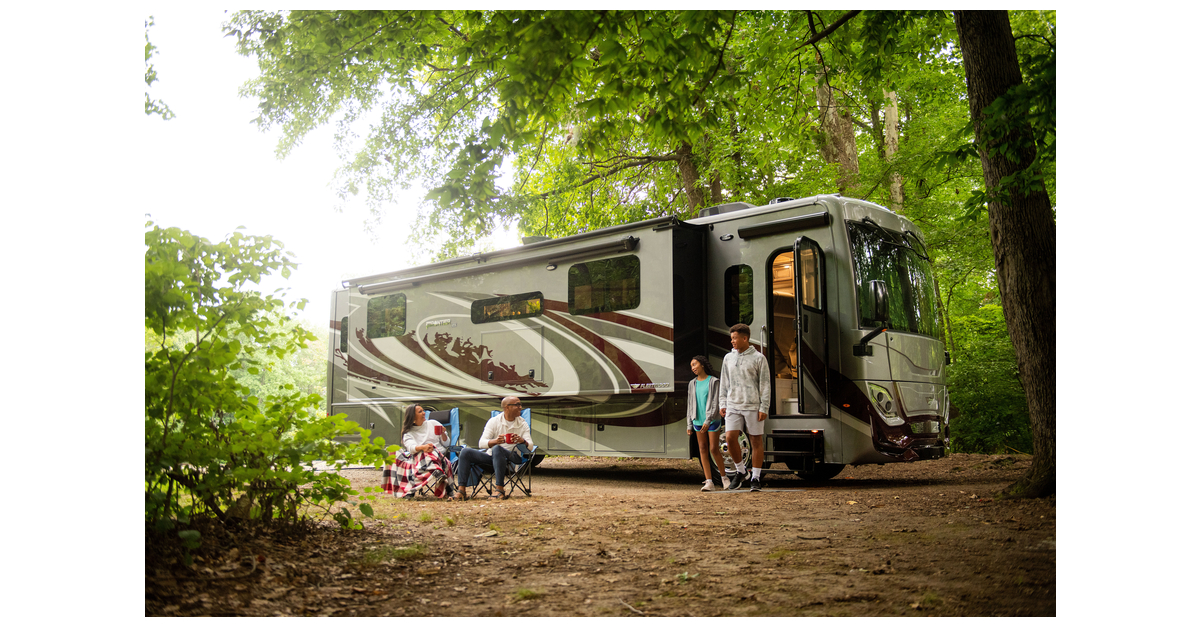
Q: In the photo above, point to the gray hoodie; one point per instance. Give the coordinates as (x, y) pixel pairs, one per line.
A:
(712, 412)
(746, 381)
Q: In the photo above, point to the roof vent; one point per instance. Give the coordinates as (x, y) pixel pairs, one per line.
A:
(779, 200)
(725, 208)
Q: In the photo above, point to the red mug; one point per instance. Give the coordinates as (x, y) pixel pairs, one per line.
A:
(508, 438)
(437, 429)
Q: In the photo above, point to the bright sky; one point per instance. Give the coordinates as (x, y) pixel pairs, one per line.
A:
(212, 170)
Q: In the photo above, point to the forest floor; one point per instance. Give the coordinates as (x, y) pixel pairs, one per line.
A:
(637, 537)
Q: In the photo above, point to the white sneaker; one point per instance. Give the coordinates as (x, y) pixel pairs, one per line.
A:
(725, 482)
(708, 486)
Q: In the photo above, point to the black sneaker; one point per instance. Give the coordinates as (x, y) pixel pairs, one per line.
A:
(754, 485)
(738, 478)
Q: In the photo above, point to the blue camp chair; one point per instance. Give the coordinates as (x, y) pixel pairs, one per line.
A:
(449, 421)
(519, 475)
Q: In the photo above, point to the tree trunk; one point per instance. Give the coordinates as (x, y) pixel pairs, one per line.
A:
(689, 176)
(837, 145)
(1023, 240)
(891, 144)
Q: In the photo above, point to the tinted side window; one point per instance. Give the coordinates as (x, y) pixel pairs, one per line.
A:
(810, 278)
(387, 316)
(605, 285)
(511, 307)
(739, 295)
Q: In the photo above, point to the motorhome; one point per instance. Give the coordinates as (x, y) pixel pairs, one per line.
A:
(595, 333)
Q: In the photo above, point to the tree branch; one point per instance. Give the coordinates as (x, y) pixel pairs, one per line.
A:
(453, 29)
(720, 59)
(1044, 39)
(561, 68)
(606, 173)
(470, 100)
(829, 30)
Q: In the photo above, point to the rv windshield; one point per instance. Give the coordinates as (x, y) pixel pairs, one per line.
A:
(882, 255)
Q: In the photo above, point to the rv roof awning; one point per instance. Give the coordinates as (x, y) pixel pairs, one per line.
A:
(625, 244)
(785, 225)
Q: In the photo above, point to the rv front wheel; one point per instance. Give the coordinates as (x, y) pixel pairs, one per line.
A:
(744, 443)
(827, 471)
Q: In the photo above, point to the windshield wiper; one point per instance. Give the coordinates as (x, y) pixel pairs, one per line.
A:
(902, 242)
(923, 252)
(882, 230)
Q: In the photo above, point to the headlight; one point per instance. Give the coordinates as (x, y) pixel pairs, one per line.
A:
(882, 398)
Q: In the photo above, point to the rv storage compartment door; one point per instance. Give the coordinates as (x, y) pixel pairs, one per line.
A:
(644, 434)
(509, 355)
(569, 430)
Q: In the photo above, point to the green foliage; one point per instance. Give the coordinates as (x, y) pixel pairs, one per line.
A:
(1021, 125)
(153, 107)
(215, 446)
(527, 594)
(301, 370)
(379, 555)
(984, 387)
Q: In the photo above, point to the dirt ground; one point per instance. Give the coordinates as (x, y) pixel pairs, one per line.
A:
(637, 537)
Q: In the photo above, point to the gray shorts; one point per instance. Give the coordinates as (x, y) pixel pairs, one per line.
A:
(744, 420)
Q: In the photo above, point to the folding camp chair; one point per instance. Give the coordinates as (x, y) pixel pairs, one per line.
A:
(449, 421)
(519, 475)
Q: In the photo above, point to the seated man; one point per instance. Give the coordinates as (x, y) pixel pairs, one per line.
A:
(497, 447)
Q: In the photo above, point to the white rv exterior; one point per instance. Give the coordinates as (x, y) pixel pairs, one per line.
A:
(595, 333)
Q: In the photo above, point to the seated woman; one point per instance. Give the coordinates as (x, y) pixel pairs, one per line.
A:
(423, 461)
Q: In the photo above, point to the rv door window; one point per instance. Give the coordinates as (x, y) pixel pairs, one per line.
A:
(604, 285)
(387, 316)
(511, 307)
(739, 295)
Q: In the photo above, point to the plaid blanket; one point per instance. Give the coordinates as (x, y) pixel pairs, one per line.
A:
(408, 474)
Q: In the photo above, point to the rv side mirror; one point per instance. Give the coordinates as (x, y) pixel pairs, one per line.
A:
(879, 294)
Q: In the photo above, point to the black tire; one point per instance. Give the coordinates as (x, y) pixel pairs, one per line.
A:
(827, 471)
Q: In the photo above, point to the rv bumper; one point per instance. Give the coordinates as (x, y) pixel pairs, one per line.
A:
(913, 453)
(929, 452)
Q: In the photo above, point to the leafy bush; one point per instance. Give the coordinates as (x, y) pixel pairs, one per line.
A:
(214, 448)
(985, 388)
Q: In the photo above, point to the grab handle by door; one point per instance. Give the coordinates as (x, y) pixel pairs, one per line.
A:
(762, 337)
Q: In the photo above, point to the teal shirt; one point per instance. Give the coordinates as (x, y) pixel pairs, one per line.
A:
(701, 401)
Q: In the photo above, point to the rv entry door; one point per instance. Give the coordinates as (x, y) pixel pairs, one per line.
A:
(811, 315)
